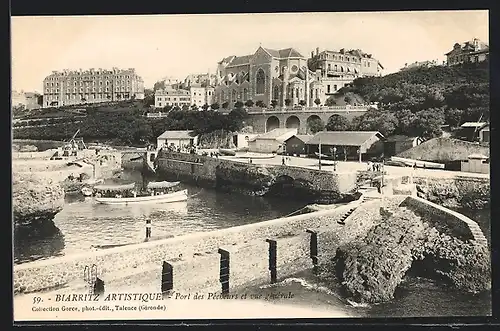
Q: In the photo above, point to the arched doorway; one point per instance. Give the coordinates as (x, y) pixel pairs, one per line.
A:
(314, 124)
(293, 122)
(272, 123)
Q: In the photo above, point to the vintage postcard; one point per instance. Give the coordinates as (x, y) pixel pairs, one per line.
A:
(299, 165)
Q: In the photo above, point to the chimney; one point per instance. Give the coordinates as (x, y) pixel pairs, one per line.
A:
(312, 55)
(317, 50)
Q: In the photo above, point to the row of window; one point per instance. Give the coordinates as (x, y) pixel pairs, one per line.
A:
(55, 91)
(173, 99)
(122, 82)
(173, 104)
(346, 58)
(65, 77)
(87, 96)
(202, 94)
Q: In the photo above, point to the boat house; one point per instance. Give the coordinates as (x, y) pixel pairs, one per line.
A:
(296, 144)
(177, 139)
(346, 145)
(474, 131)
(271, 141)
(394, 145)
(477, 163)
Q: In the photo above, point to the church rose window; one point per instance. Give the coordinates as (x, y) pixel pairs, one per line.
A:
(295, 68)
(260, 82)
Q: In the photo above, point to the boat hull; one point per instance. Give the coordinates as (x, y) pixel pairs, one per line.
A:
(164, 198)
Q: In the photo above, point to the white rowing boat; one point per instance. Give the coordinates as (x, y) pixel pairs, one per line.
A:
(159, 198)
(158, 192)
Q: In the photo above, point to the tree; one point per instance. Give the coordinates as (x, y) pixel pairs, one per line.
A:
(249, 103)
(260, 104)
(374, 120)
(302, 102)
(316, 125)
(185, 107)
(205, 107)
(214, 106)
(428, 123)
(317, 101)
(453, 116)
(348, 99)
(274, 103)
(194, 107)
(338, 123)
(330, 102)
(167, 108)
(288, 102)
(225, 105)
(238, 104)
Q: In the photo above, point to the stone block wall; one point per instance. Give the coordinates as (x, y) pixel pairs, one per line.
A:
(195, 250)
(445, 220)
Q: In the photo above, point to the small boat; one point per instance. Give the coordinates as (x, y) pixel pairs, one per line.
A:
(418, 163)
(156, 192)
(227, 152)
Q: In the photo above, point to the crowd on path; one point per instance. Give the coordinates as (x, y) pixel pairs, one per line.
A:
(375, 166)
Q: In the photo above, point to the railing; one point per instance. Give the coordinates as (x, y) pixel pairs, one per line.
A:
(309, 109)
(156, 115)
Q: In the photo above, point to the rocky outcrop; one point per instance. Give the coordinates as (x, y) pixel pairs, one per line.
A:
(217, 139)
(455, 192)
(373, 265)
(36, 199)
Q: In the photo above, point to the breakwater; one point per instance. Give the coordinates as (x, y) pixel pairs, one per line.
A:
(258, 180)
(195, 259)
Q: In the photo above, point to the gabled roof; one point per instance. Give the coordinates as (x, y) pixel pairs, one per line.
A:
(473, 125)
(343, 138)
(240, 60)
(280, 134)
(396, 138)
(303, 137)
(177, 135)
(283, 53)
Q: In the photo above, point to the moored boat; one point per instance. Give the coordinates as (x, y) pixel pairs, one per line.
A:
(155, 192)
(227, 152)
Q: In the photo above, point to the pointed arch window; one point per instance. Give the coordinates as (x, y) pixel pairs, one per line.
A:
(245, 94)
(260, 82)
(233, 96)
(276, 92)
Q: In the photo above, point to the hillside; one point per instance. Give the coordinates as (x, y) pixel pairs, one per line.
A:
(463, 90)
(444, 150)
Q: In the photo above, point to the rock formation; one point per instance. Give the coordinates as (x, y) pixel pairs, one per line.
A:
(35, 199)
(373, 265)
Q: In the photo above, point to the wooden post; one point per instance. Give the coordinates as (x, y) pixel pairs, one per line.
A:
(224, 270)
(313, 249)
(272, 259)
(148, 229)
(167, 278)
(359, 154)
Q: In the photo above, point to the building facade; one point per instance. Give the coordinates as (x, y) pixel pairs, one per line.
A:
(91, 86)
(469, 51)
(420, 64)
(287, 78)
(30, 100)
(172, 97)
(201, 95)
(203, 80)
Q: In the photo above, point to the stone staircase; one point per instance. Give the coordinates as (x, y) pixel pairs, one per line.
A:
(478, 234)
(346, 215)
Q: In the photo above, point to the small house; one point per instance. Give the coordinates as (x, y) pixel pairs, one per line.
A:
(476, 163)
(470, 131)
(484, 134)
(177, 139)
(241, 140)
(270, 142)
(394, 145)
(296, 144)
(344, 144)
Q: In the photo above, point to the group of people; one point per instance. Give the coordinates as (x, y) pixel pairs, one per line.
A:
(375, 166)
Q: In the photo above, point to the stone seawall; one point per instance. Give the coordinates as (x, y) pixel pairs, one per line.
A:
(445, 220)
(199, 251)
(259, 180)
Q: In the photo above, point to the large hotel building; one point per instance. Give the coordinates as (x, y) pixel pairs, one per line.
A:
(91, 86)
(286, 74)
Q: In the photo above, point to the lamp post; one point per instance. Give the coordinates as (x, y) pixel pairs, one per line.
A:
(319, 154)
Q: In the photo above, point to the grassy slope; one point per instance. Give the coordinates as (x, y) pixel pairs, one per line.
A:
(443, 150)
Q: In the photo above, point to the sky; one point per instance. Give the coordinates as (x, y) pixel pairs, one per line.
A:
(158, 46)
